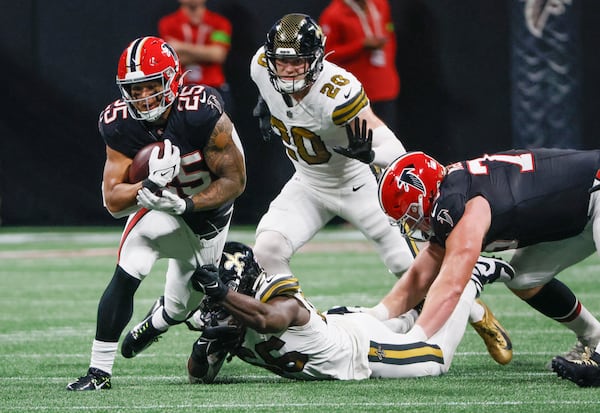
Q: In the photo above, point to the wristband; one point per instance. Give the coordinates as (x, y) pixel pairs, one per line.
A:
(152, 186)
(189, 206)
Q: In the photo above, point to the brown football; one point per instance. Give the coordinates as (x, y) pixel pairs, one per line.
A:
(138, 171)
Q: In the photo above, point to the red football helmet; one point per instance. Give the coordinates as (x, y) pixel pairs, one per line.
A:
(407, 190)
(149, 59)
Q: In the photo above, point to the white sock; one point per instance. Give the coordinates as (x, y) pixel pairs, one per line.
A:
(380, 312)
(158, 321)
(416, 334)
(103, 355)
(402, 323)
(477, 312)
(586, 327)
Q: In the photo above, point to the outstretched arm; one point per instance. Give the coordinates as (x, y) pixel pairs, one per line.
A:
(275, 315)
(371, 141)
(411, 288)
(463, 247)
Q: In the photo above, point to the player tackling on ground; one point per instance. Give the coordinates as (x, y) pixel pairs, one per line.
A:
(265, 320)
(545, 203)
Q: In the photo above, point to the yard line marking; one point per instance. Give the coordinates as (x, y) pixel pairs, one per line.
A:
(287, 405)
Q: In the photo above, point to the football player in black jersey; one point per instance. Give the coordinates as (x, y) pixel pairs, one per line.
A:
(544, 203)
(180, 212)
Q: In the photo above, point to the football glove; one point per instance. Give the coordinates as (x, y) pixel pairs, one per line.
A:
(211, 349)
(262, 113)
(161, 171)
(167, 202)
(206, 360)
(206, 279)
(360, 141)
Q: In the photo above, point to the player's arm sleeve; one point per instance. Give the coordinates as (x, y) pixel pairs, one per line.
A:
(386, 145)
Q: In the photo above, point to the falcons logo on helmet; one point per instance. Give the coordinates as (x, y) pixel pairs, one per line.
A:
(409, 179)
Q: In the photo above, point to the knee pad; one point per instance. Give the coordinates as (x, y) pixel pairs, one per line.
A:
(397, 262)
(273, 252)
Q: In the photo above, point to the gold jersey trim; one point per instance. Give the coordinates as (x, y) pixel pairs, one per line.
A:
(345, 112)
(401, 354)
(284, 284)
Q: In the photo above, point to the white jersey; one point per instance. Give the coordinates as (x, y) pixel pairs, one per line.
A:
(322, 349)
(310, 128)
(350, 346)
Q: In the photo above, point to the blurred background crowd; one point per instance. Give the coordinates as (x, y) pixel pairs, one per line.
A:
(472, 77)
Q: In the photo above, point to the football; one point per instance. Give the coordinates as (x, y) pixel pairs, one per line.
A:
(138, 171)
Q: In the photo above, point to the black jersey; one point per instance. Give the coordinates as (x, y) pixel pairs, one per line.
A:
(191, 121)
(536, 195)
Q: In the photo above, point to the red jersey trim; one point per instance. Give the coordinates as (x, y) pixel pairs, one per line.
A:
(132, 223)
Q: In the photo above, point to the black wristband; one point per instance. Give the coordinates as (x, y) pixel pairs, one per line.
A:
(220, 293)
(147, 183)
(189, 206)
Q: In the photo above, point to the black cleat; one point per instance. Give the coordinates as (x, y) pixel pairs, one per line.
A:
(140, 338)
(584, 372)
(95, 379)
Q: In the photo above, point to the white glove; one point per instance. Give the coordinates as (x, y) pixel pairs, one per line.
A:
(166, 202)
(161, 171)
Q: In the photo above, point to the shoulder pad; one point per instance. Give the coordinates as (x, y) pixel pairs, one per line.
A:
(277, 285)
(343, 113)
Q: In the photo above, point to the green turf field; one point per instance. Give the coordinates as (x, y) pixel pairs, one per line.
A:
(51, 281)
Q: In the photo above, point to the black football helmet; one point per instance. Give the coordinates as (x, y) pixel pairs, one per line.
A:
(295, 36)
(238, 269)
(221, 334)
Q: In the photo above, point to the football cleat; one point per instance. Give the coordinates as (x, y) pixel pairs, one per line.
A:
(584, 372)
(579, 351)
(494, 336)
(343, 309)
(95, 379)
(141, 336)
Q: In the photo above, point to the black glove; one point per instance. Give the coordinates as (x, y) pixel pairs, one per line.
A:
(359, 142)
(206, 360)
(261, 111)
(206, 279)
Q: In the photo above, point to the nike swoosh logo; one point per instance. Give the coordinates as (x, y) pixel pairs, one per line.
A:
(356, 188)
(508, 342)
(168, 171)
(346, 95)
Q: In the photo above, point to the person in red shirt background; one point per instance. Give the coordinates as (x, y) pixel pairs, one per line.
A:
(360, 33)
(202, 39)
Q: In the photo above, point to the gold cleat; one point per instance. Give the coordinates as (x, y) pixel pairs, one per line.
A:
(494, 336)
